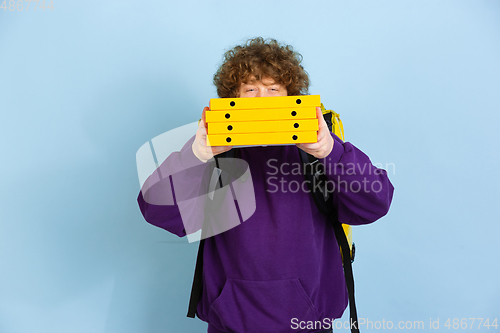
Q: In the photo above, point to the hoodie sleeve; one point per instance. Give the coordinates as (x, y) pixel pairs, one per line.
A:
(362, 193)
(170, 198)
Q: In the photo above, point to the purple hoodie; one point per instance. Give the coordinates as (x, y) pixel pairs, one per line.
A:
(281, 266)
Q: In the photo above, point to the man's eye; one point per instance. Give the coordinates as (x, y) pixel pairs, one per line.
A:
(251, 89)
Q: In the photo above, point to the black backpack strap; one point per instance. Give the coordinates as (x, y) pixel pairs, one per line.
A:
(197, 288)
(349, 277)
(313, 171)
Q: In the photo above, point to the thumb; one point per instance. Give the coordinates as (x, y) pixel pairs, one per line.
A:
(203, 121)
(319, 115)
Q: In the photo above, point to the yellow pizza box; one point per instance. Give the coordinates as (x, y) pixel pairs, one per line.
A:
(231, 127)
(278, 138)
(260, 114)
(245, 103)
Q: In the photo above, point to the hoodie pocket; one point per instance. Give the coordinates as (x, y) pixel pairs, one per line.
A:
(261, 306)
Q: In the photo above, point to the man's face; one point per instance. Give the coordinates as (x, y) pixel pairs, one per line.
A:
(262, 88)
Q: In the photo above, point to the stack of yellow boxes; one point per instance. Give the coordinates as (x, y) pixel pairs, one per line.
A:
(262, 120)
(266, 121)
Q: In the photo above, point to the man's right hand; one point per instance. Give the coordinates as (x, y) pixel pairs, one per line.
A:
(199, 146)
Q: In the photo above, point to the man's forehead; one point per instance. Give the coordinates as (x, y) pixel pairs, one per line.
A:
(265, 80)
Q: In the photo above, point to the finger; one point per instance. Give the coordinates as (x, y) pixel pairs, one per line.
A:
(219, 148)
(201, 136)
(321, 135)
(311, 145)
(203, 117)
(319, 115)
(308, 147)
(322, 122)
(222, 149)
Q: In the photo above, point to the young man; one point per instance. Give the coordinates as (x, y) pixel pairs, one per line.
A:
(281, 268)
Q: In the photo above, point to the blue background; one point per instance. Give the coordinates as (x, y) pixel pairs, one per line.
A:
(82, 87)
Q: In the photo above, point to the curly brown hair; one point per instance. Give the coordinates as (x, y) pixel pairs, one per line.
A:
(261, 58)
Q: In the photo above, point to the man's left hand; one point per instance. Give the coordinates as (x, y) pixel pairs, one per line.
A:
(324, 146)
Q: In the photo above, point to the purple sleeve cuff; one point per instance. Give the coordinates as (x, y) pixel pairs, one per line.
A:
(336, 153)
(362, 193)
(188, 158)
